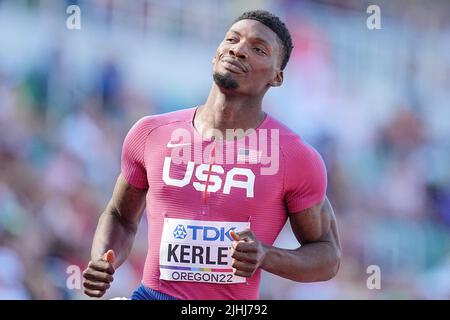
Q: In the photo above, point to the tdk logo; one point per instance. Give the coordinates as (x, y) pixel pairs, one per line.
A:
(203, 233)
(179, 232)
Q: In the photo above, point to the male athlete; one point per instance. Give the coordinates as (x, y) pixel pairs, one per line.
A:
(214, 204)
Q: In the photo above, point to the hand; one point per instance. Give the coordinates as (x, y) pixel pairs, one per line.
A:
(248, 253)
(98, 275)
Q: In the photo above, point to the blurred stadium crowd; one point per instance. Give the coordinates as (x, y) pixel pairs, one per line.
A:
(375, 103)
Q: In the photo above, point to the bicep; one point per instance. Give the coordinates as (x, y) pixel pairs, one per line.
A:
(314, 224)
(127, 201)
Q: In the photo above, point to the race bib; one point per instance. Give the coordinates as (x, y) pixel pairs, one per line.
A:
(198, 251)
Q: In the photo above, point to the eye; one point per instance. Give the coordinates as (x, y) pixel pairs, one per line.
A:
(230, 40)
(259, 50)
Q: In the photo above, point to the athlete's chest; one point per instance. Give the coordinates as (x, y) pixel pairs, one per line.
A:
(225, 171)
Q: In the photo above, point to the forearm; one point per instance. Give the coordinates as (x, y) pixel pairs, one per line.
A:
(317, 261)
(113, 233)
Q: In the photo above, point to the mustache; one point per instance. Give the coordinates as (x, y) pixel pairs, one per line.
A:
(235, 61)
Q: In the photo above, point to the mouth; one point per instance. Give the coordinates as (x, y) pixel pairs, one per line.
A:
(233, 65)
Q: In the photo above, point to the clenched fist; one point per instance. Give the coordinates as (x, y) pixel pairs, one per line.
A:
(98, 275)
(248, 253)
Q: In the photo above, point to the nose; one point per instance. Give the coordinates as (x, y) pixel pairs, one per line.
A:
(238, 51)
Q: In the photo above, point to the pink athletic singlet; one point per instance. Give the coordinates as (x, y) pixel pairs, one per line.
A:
(199, 190)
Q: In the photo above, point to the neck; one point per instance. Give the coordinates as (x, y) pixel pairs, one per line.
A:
(224, 111)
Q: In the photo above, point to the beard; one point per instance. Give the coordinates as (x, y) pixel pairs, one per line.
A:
(225, 81)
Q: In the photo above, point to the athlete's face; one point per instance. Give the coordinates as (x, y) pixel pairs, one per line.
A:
(248, 60)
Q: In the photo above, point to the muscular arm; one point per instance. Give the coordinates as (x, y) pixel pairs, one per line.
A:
(318, 257)
(116, 230)
(118, 224)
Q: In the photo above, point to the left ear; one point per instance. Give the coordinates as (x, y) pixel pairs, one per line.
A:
(278, 79)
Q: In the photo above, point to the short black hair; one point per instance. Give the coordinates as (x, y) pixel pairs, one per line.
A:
(276, 25)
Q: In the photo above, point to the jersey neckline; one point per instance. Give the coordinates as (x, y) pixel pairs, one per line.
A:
(197, 134)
